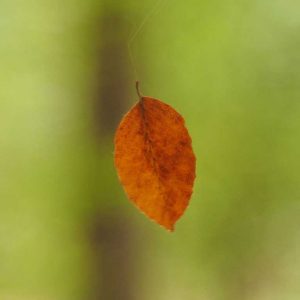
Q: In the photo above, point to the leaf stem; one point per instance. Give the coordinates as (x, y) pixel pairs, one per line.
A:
(137, 87)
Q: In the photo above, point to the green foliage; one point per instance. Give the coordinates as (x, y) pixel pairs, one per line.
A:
(232, 70)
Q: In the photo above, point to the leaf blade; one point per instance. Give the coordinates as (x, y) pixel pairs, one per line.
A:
(155, 160)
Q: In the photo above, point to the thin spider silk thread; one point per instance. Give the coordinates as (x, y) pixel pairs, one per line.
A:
(157, 5)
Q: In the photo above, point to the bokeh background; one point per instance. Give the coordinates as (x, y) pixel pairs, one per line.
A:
(231, 68)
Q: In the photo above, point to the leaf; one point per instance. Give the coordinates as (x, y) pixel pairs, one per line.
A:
(155, 161)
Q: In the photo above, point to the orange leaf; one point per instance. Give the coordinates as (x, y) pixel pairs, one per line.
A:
(155, 160)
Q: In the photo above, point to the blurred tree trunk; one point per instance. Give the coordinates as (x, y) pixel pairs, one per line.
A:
(110, 233)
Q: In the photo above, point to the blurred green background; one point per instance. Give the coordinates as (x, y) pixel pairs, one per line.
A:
(231, 68)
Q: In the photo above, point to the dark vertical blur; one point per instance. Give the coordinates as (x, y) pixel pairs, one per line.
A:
(110, 233)
(114, 69)
(112, 251)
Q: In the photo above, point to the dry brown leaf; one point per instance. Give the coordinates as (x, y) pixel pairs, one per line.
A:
(155, 160)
